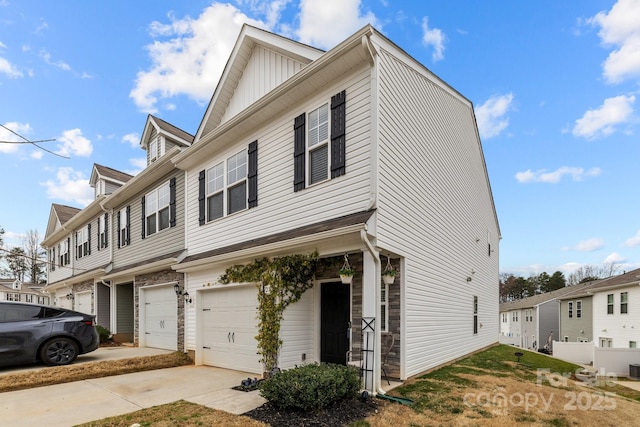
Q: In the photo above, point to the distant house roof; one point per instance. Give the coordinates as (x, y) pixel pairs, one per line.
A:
(64, 213)
(111, 173)
(631, 278)
(169, 128)
(534, 300)
(581, 290)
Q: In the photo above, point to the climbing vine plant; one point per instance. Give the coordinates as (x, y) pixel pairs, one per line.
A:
(280, 281)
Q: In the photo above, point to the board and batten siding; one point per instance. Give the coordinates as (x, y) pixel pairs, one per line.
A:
(264, 71)
(279, 207)
(435, 209)
(162, 242)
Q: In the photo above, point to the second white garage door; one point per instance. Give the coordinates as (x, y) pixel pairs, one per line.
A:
(160, 318)
(229, 327)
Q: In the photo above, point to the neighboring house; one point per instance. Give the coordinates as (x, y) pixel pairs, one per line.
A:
(532, 322)
(113, 258)
(616, 311)
(576, 314)
(15, 290)
(359, 150)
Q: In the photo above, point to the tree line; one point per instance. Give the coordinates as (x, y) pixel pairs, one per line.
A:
(26, 263)
(513, 287)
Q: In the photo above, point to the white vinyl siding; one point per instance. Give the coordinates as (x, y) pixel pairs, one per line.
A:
(280, 207)
(434, 208)
(96, 259)
(619, 327)
(157, 210)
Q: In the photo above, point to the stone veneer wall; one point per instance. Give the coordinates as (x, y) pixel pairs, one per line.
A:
(87, 285)
(329, 270)
(156, 278)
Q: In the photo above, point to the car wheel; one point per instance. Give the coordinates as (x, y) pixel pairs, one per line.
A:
(58, 352)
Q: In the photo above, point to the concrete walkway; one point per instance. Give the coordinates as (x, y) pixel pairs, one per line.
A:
(78, 402)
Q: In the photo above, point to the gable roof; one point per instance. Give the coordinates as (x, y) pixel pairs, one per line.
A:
(58, 216)
(535, 300)
(631, 278)
(170, 131)
(109, 174)
(247, 40)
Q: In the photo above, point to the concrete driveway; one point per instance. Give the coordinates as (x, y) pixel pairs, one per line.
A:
(89, 400)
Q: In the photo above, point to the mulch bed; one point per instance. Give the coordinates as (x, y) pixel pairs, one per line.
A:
(342, 413)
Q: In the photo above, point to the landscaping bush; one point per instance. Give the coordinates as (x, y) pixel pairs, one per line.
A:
(311, 387)
(103, 333)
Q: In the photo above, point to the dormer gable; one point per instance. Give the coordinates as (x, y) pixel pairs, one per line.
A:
(106, 180)
(159, 137)
(259, 62)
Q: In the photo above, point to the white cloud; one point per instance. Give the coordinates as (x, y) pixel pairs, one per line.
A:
(619, 28)
(73, 143)
(133, 139)
(491, 115)
(588, 245)
(139, 164)
(9, 69)
(433, 37)
(36, 154)
(191, 62)
(23, 129)
(576, 174)
(602, 121)
(615, 258)
(633, 241)
(343, 17)
(70, 186)
(46, 57)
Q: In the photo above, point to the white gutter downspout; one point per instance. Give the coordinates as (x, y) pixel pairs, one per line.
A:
(377, 360)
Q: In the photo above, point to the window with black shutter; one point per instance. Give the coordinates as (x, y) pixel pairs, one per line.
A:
(252, 175)
(172, 202)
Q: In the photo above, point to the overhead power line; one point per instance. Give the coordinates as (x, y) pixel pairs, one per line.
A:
(26, 141)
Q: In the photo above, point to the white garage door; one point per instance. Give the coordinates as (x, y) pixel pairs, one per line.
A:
(160, 318)
(83, 302)
(229, 327)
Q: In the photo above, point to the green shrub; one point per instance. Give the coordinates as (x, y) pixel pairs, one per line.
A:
(311, 387)
(103, 333)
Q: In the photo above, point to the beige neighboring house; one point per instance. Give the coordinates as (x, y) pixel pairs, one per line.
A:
(15, 290)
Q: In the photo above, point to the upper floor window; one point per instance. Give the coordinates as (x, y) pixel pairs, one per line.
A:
(624, 302)
(610, 304)
(123, 226)
(156, 148)
(514, 316)
(28, 298)
(578, 309)
(475, 314)
(227, 186)
(103, 231)
(63, 252)
(52, 259)
(504, 317)
(157, 210)
(319, 143)
(83, 240)
(570, 309)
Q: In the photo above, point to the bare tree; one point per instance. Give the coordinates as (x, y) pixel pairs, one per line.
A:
(588, 273)
(35, 255)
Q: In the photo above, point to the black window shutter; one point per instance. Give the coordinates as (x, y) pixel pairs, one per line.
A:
(118, 229)
(201, 207)
(252, 174)
(338, 134)
(76, 245)
(172, 202)
(299, 146)
(88, 239)
(67, 256)
(53, 259)
(99, 237)
(143, 216)
(106, 230)
(128, 229)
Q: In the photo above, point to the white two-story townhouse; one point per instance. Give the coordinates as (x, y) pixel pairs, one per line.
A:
(616, 311)
(357, 151)
(147, 235)
(15, 290)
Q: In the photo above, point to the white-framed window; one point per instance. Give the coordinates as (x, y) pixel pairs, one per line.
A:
(82, 242)
(578, 309)
(475, 315)
(318, 147)
(13, 297)
(606, 342)
(157, 210)
(28, 298)
(633, 344)
(384, 308)
(63, 253)
(570, 304)
(610, 304)
(624, 302)
(514, 316)
(102, 227)
(52, 259)
(124, 227)
(226, 186)
(504, 317)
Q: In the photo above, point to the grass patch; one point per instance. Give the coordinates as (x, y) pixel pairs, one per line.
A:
(84, 371)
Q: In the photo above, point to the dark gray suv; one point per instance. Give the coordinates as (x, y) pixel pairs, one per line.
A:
(52, 335)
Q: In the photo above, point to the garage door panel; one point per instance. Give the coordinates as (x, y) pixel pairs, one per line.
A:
(160, 318)
(229, 328)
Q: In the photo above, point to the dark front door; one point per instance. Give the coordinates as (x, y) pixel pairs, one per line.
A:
(334, 322)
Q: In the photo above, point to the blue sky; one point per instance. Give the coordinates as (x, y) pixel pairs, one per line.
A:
(554, 85)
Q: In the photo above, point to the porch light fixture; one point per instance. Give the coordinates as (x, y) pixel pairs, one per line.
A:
(187, 298)
(70, 296)
(176, 288)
